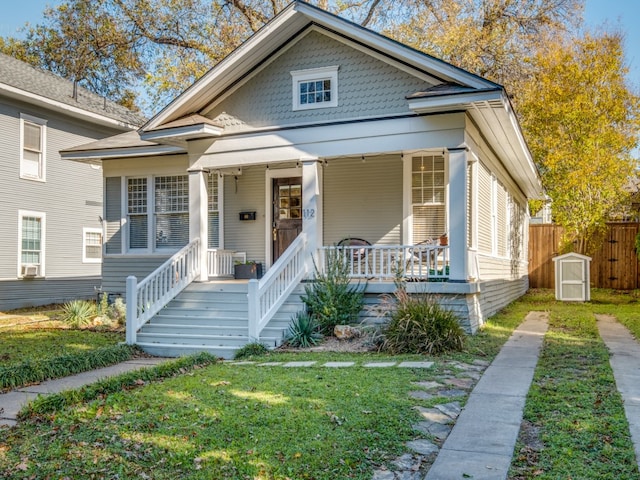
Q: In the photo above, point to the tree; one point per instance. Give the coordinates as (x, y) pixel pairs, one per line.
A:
(582, 123)
(491, 38)
(164, 45)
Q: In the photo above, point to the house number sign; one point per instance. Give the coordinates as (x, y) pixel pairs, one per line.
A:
(308, 213)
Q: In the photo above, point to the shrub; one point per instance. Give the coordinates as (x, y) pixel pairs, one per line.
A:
(418, 324)
(303, 331)
(78, 312)
(332, 299)
(251, 350)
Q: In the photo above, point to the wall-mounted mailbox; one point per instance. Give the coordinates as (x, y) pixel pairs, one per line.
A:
(247, 216)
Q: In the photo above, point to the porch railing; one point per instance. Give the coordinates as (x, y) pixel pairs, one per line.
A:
(220, 263)
(268, 294)
(386, 262)
(148, 297)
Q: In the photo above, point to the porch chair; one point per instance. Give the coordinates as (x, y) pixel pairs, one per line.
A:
(359, 261)
(420, 264)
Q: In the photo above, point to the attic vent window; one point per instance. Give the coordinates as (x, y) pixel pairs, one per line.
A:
(315, 88)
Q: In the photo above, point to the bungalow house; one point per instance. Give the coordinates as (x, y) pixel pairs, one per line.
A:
(51, 235)
(315, 135)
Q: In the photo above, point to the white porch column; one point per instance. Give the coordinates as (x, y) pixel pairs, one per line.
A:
(457, 214)
(312, 207)
(198, 216)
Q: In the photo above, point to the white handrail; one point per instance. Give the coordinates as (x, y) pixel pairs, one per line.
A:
(385, 262)
(267, 295)
(148, 297)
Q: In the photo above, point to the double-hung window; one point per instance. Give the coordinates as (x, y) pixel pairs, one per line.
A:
(315, 88)
(31, 242)
(428, 194)
(91, 245)
(158, 212)
(32, 147)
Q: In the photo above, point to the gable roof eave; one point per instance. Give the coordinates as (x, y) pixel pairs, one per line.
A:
(280, 30)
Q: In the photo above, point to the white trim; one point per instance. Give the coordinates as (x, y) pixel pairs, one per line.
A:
(200, 130)
(39, 100)
(42, 123)
(86, 230)
(43, 225)
(315, 74)
(270, 174)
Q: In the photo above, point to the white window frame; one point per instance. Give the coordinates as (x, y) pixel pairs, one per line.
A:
(315, 74)
(42, 177)
(409, 185)
(150, 213)
(43, 229)
(85, 244)
(219, 180)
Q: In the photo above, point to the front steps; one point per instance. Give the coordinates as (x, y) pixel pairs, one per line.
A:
(212, 317)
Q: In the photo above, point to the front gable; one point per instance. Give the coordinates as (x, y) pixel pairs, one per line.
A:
(367, 86)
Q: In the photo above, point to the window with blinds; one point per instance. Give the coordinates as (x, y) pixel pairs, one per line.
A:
(32, 160)
(213, 191)
(502, 221)
(137, 212)
(171, 211)
(31, 244)
(485, 210)
(428, 195)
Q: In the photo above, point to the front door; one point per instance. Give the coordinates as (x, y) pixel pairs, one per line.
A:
(287, 213)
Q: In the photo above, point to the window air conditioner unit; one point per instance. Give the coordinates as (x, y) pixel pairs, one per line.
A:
(29, 270)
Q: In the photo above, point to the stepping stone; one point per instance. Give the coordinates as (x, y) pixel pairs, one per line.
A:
(383, 475)
(270, 364)
(452, 409)
(232, 362)
(438, 430)
(421, 395)
(416, 364)
(405, 462)
(427, 385)
(460, 382)
(433, 415)
(409, 475)
(481, 363)
(380, 364)
(339, 364)
(299, 364)
(454, 392)
(474, 375)
(423, 446)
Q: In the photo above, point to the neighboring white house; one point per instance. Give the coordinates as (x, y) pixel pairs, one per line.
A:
(51, 235)
(313, 131)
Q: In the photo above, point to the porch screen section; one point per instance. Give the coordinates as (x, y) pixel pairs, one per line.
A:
(172, 211)
(428, 197)
(213, 191)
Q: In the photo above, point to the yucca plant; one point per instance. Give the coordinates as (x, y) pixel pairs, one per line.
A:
(78, 312)
(304, 331)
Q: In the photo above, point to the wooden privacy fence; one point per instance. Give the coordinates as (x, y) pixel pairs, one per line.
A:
(615, 265)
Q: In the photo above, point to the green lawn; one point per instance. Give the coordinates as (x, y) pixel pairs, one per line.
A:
(235, 422)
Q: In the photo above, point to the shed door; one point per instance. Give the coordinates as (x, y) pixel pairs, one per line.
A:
(287, 213)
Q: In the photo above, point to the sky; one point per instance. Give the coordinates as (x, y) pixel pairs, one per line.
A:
(612, 13)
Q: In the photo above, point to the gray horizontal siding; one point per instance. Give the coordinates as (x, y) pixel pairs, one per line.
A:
(245, 194)
(363, 200)
(366, 86)
(71, 197)
(497, 294)
(33, 292)
(115, 270)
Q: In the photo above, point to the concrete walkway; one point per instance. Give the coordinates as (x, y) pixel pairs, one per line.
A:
(624, 358)
(12, 402)
(481, 444)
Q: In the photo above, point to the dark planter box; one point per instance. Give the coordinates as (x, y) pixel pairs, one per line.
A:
(248, 270)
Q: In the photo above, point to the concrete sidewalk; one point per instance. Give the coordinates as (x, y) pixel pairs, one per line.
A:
(624, 358)
(12, 402)
(481, 444)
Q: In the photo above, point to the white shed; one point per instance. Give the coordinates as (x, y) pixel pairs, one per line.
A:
(572, 277)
